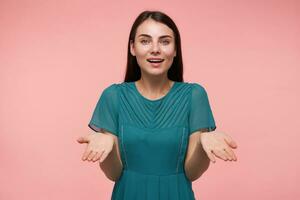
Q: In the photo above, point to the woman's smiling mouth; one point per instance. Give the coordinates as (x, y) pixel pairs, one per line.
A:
(155, 60)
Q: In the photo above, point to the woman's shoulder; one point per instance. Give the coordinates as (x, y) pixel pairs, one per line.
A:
(111, 89)
(195, 85)
(197, 89)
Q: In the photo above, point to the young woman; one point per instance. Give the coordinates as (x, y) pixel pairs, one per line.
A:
(156, 132)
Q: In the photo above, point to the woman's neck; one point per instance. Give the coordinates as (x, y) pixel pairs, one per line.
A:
(154, 87)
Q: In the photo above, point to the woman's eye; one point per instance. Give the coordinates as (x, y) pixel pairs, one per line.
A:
(144, 41)
(166, 41)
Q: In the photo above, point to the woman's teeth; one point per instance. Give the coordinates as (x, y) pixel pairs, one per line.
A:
(155, 61)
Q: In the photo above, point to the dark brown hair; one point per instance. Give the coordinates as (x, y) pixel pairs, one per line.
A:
(133, 71)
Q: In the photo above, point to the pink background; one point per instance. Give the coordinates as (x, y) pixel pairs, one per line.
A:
(56, 57)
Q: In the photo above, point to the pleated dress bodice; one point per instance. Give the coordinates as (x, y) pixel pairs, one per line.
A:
(153, 138)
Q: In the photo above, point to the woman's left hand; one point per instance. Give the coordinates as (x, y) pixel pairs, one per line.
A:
(219, 144)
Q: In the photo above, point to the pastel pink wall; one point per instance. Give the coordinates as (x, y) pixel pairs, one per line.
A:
(56, 57)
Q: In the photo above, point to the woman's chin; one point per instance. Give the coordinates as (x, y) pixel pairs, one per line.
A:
(156, 72)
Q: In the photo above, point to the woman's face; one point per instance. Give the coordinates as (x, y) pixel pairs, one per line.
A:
(153, 40)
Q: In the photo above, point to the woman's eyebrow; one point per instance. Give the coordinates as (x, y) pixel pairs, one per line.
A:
(146, 35)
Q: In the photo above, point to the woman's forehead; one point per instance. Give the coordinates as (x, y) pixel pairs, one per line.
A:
(153, 29)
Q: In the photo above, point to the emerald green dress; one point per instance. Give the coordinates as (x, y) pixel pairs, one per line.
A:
(153, 137)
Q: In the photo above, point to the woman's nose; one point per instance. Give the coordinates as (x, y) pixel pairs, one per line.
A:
(155, 47)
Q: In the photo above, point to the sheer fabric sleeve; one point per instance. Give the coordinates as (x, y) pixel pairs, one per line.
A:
(200, 115)
(105, 115)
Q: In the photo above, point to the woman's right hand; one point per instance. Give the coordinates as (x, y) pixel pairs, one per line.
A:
(99, 145)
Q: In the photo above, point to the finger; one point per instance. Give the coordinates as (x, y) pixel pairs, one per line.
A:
(91, 156)
(103, 156)
(228, 154)
(232, 155)
(82, 140)
(230, 141)
(225, 153)
(97, 156)
(86, 154)
(211, 157)
(220, 154)
(233, 144)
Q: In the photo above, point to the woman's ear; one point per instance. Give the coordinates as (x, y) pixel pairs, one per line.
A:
(132, 48)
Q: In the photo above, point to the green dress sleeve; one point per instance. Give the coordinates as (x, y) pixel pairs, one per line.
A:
(105, 115)
(200, 114)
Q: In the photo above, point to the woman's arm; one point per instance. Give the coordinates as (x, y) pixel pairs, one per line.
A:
(196, 161)
(112, 166)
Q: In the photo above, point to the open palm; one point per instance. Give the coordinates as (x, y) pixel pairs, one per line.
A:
(218, 144)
